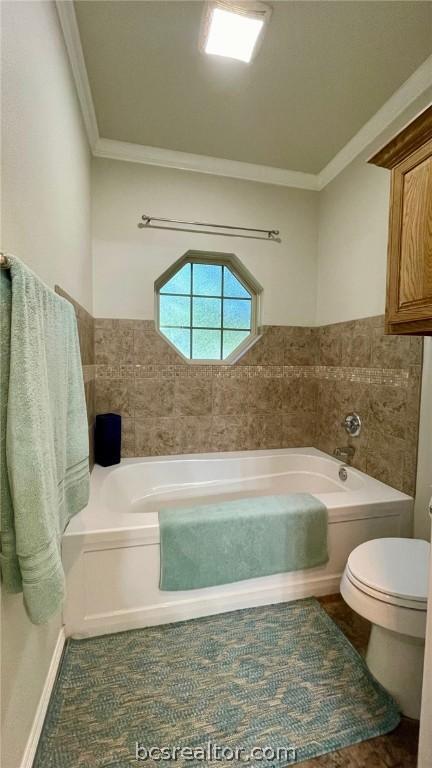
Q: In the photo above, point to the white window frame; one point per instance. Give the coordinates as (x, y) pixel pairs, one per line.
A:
(242, 274)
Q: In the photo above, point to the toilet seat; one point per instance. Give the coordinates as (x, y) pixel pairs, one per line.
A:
(385, 581)
(416, 605)
(394, 571)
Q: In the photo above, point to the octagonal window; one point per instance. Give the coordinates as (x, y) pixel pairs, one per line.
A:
(207, 307)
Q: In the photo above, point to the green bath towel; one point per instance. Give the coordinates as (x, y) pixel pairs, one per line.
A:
(230, 541)
(44, 470)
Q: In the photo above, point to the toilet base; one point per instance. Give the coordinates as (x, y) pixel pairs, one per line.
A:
(396, 661)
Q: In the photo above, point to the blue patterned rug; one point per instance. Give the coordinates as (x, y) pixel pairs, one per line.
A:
(281, 677)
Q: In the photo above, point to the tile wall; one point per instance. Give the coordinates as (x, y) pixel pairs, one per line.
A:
(291, 389)
(382, 384)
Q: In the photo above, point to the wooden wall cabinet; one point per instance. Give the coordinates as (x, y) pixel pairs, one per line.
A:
(409, 266)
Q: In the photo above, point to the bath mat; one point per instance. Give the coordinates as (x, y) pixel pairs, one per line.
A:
(269, 686)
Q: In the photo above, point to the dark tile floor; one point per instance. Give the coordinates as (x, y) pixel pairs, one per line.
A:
(395, 750)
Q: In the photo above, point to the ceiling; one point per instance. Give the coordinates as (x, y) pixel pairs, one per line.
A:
(323, 70)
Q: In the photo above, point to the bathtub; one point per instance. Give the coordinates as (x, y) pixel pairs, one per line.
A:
(111, 549)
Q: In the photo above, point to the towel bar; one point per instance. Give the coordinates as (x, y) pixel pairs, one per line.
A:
(4, 261)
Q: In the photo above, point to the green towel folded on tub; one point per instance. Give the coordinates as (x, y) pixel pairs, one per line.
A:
(44, 470)
(229, 541)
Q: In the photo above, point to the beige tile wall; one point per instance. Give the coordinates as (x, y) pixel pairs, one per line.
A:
(388, 404)
(85, 323)
(169, 406)
(291, 389)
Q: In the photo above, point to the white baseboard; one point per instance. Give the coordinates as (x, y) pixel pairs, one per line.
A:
(36, 729)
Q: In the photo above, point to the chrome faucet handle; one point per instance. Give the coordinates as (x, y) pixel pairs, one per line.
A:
(352, 424)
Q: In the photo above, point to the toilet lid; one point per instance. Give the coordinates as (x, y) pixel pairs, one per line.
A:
(394, 567)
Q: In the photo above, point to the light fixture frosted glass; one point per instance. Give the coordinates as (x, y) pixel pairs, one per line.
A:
(233, 35)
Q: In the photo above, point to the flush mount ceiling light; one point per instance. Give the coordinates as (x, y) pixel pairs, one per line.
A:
(233, 29)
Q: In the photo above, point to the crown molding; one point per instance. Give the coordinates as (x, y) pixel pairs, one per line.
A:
(112, 149)
(401, 99)
(69, 25)
(216, 166)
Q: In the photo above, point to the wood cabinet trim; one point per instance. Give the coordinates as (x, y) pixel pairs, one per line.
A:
(413, 327)
(406, 142)
(419, 309)
(409, 260)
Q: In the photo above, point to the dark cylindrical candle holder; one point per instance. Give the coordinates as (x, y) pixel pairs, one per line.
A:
(108, 439)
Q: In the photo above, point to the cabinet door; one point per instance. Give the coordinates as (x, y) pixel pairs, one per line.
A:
(409, 289)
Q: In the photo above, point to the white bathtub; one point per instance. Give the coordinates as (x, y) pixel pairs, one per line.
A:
(111, 549)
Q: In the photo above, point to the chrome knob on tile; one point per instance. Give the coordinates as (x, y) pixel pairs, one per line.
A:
(343, 473)
(352, 424)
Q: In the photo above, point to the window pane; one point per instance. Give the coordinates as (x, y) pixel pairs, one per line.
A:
(237, 313)
(206, 345)
(174, 310)
(180, 337)
(207, 279)
(232, 286)
(207, 313)
(180, 282)
(231, 340)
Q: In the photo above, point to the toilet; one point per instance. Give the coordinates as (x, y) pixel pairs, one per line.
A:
(385, 581)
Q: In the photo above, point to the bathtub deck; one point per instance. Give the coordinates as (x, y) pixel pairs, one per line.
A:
(394, 750)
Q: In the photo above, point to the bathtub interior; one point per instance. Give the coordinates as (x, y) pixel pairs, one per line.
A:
(146, 486)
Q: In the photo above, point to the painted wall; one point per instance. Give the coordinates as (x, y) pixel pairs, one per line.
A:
(45, 156)
(352, 246)
(352, 234)
(425, 738)
(424, 463)
(46, 221)
(127, 260)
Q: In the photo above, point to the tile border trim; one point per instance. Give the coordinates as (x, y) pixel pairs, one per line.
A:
(396, 377)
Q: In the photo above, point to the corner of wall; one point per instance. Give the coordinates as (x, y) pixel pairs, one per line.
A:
(422, 520)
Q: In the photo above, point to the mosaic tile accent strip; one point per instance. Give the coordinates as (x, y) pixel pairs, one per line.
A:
(274, 676)
(395, 377)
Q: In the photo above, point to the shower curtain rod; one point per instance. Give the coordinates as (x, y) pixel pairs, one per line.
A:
(272, 234)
